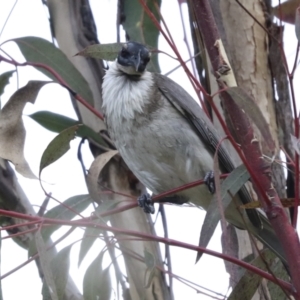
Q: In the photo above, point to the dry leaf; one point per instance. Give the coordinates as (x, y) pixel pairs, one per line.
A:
(96, 167)
(286, 11)
(12, 131)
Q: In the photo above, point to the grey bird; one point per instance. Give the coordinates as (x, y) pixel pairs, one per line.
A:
(167, 140)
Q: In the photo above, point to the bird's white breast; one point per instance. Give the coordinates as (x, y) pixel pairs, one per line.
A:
(123, 97)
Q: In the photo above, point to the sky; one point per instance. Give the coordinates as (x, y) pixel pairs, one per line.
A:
(64, 178)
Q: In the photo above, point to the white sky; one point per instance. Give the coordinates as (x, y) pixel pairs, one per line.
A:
(64, 178)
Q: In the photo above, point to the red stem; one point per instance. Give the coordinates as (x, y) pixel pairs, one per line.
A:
(59, 80)
(262, 174)
(195, 83)
(37, 255)
(150, 237)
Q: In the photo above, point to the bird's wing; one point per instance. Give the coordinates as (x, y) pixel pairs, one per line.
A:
(190, 110)
(188, 107)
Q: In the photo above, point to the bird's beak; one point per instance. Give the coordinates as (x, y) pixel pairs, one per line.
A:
(137, 61)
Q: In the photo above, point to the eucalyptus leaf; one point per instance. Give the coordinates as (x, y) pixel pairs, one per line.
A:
(57, 123)
(102, 51)
(249, 282)
(39, 50)
(60, 266)
(49, 287)
(12, 129)
(96, 281)
(57, 147)
(92, 233)
(233, 183)
(95, 169)
(69, 209)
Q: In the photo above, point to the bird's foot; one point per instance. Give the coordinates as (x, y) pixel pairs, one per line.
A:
(145, 201)
(209, 180)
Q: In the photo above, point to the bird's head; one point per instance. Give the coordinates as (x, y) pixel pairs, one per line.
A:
(133, 58)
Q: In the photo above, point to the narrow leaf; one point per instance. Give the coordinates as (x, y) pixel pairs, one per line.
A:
(39, 50)
(4, 80)
(279, 271)
(57, 147)
(230, 246)
(90, 236)
(57, 123)
(92, 233)
(96, 282)
(246, 103)
(60, 265)
(12, 129)
(102, 51)
(69, 209)
(150, 263)
(66, 211)
(248, 284)
(49, 284)
(149, 259)
(232, 183)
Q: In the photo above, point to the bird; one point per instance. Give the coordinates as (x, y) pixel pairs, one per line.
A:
(167, 140)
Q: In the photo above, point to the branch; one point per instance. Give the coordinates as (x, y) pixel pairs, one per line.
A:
(171, 242)
(250, 146)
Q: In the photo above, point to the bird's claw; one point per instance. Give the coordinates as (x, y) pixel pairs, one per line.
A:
(145, 201)
(209, 180)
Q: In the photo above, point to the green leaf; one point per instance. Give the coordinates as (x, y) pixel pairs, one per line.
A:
(49, 287)
(4, 80)
(92, 233)
(247, 104)
(89, 237)
(102, 51)
(232, 183)
(96, 281)
(149, 259)
(69, 209)
(150, 263)
(57, 147)
(57, 123)
(60, 265)
(279, 271)
(248, 284)
(39, 50)
(140, 28)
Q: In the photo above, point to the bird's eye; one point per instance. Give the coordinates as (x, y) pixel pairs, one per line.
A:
(124, 53)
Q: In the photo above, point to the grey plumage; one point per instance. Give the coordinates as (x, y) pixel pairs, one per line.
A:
(165, 138)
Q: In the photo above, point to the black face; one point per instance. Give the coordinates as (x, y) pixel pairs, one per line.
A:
(134, 55)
